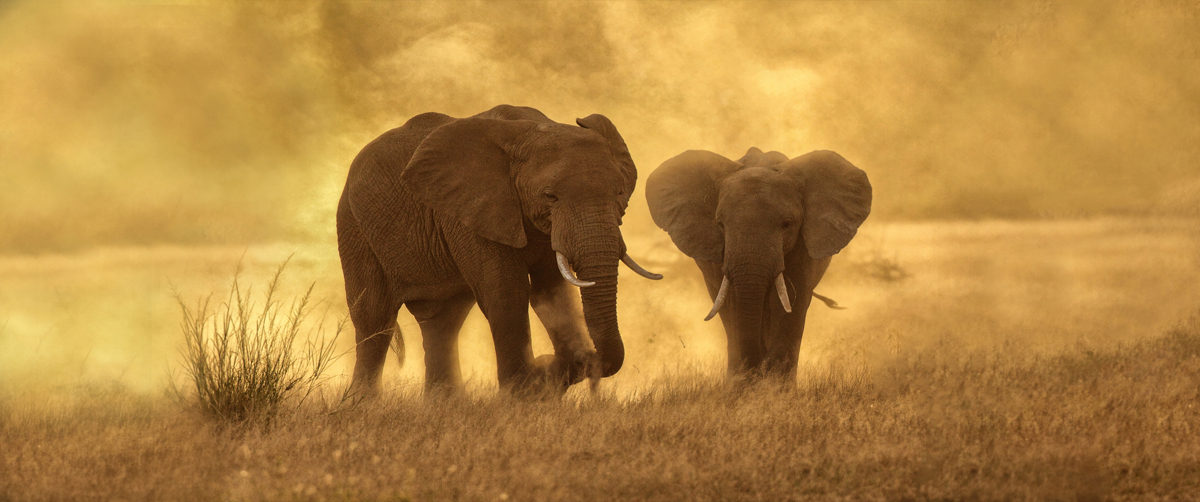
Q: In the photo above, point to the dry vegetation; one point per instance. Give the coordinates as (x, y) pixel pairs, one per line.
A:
(240, 358)
(944, 424)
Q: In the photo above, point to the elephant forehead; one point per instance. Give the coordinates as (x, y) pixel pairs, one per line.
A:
(758, 189)
(580, 148)
(758, 180)
(589, 178)
(756, 158)
(558, 137)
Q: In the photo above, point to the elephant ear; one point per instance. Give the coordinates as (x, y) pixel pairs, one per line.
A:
(756, 158)
(837, 199)
(616, 143)
(462, 169)
(682, 195)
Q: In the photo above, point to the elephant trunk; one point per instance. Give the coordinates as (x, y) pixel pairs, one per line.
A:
(750, 291)
(595, 250)
(752, 273)
(600, 315)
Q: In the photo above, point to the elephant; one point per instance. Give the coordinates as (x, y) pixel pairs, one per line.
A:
(443, 213)
(763, 231)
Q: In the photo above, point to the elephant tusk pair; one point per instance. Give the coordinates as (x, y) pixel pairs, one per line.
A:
(570, 277)
(780, 288)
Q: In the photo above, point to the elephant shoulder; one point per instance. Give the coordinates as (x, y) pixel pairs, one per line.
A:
(386, 211)
(510, 112)
(373, 184)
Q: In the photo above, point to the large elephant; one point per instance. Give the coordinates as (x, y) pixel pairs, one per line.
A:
(443, 213)
(762, 230)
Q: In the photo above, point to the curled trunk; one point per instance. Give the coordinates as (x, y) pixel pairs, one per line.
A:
(595, 250)
(600, 315)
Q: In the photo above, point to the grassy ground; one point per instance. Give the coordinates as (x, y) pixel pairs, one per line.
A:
(1117, 424)
(1039, 361)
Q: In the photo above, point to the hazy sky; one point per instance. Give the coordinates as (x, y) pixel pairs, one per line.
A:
(139, 122)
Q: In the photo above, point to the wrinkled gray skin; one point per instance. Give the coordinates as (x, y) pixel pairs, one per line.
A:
(751, 220)
(442, 214)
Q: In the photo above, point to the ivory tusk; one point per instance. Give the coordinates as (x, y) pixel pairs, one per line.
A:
(720, 298)
(566, 272)
(829, 302)
(628, 261)
(781, 288)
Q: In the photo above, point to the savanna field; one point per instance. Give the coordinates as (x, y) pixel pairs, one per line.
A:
(1022, 322)
(1046, 360)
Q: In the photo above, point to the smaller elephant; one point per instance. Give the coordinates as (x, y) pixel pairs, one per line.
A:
(763, 230)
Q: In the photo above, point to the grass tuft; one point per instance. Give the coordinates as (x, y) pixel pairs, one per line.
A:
(240, 357)
(871, 259)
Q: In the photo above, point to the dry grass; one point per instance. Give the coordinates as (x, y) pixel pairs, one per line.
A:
(874, 259)
(239, 358)
(944, 424)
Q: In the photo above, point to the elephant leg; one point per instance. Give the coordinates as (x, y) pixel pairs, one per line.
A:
(506, 306)
(440, 323)
(712, 279)
(500, 282)
(787, 330)
(560, 310)
(372, 308)
(784, 336)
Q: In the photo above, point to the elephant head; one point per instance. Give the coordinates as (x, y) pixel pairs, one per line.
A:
(503, 178)
(756, 215)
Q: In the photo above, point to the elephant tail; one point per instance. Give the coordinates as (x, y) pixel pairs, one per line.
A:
(829, 302)
(398, 344)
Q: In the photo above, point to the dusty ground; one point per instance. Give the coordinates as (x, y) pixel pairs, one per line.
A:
(1042, 360)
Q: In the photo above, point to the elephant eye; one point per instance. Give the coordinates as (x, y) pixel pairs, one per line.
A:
(787, 224)
(550, 196)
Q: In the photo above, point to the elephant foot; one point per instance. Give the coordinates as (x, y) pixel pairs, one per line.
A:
(359, 392)
(558, 373)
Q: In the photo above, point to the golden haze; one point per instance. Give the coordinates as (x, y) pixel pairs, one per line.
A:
(148, 122)
(1036, 168)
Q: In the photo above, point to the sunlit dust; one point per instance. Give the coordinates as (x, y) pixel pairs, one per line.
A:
(1036, 177)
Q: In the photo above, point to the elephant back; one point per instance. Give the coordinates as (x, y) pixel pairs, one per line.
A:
(510, 112)
(391, 151)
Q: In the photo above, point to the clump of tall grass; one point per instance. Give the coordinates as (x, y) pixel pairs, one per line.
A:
(872, 261)
(881, 267)
(240, 357)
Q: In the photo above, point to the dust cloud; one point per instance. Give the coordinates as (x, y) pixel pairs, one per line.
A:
(211, 125)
